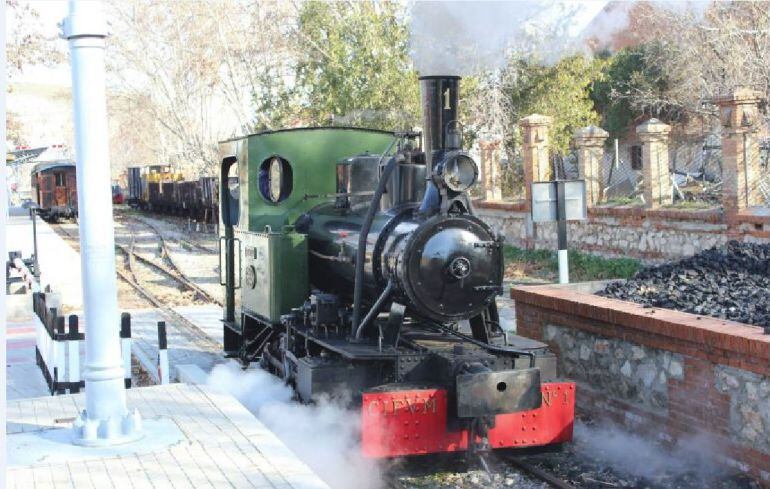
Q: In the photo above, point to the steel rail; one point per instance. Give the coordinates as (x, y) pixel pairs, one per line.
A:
(190, 329)
(174, 271)
(538, 473)
(158, 232)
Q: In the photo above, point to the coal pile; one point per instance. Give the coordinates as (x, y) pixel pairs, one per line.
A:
(729, 282)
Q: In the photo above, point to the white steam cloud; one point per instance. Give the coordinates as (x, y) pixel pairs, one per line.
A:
(643, 457)
(467, 37)
(325, 436)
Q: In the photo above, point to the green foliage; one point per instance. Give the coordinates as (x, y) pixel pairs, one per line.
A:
(561, 91)
(625, 76)
(582, 266)
(356, 69)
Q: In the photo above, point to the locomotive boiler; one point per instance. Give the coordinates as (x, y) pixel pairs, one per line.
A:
(355, 268)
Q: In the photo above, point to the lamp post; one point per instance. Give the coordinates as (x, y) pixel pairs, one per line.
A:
(106, 420)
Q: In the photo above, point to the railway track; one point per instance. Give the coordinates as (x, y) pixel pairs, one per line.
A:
(173, 271)
(494, 472)
(191, 243)
(186, 327)
(538, 473)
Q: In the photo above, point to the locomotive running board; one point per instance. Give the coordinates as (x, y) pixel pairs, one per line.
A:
(415, 422)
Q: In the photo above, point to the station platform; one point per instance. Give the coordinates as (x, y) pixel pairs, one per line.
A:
(59, 263)
(194, 437)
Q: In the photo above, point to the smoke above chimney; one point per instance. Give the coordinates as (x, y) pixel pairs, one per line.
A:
(464, 38)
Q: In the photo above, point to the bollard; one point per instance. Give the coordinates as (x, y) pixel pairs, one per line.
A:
(74, 337)
(59, 385)
(125, 344)
(163, 372)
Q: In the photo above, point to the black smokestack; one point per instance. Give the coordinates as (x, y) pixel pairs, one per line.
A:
(439, 108)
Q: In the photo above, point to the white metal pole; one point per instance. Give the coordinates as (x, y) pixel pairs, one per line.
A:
(106, 419)
(563, 266)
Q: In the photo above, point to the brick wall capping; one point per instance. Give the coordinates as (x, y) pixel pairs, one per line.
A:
(536, 120)
(741, 95)
(702, 333)
(653, 127)
(489, 143)
(590, 134)
(712, 216)
(511, 206)
(754, 215)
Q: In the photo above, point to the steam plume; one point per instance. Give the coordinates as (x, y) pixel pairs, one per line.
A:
(464, 37)
(325, 436)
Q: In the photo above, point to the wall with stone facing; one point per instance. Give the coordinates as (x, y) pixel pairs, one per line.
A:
(648, 234)
(625, 370)
(670, 375)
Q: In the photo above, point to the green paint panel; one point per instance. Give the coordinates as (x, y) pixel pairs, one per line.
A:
(313, 155)
(274, 267)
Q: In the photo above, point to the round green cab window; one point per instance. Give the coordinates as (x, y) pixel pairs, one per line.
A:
(275, 179)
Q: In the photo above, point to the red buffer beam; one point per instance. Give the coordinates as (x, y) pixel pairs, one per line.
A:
(414, 422)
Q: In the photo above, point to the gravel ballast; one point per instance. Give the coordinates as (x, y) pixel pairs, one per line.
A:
(728, 282)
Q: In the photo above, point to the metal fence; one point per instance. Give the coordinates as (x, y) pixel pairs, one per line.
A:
(622, 182)
(695, 167)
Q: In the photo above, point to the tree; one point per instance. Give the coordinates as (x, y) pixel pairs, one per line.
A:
(25, 46)
(701, 55)
(188, 70)
(355, 68)
(624, 76)
(561, 91)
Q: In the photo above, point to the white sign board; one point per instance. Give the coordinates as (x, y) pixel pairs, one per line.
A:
(545, 202)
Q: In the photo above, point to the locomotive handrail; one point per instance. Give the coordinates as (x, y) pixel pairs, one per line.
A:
(374, 205)
(221, 268)
(233, 240)
(240, 271)
(487, 346)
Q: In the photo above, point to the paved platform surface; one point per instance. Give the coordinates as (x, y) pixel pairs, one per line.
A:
(183, 348)
(221, 445)
(59, 263)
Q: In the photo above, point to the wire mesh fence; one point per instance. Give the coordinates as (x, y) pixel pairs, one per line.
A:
(622, 181)
(695, 169)
(764, 170)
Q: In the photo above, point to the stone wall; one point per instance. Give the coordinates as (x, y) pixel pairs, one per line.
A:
(648, 234)
(626, 370)
(666, 374)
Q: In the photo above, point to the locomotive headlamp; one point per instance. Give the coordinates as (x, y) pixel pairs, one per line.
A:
(459, 172)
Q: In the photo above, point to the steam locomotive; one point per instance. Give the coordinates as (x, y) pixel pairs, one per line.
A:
(354, 267)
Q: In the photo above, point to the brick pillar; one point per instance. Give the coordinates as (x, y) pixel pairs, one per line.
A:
(657, 181)
(590, 152)
(537, 164)
(490, 170)
(740, 149)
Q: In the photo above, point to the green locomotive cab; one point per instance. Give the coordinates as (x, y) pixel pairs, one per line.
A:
(268, 180)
